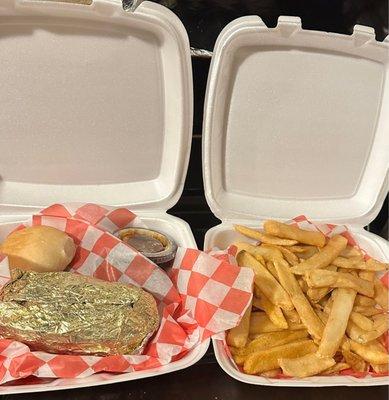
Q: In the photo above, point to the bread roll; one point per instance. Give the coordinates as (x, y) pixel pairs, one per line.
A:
(39, 248)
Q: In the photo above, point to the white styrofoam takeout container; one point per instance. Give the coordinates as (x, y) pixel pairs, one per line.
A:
(296, 122)
(96, 106)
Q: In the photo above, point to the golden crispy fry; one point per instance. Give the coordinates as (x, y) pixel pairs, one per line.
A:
(256, 301)
(324, 278)
(381, 295)
(273, 373)
(293, 232)
(368, 311)
(328, 305)
(375, 265)
(237, 337)
(322, 315)
(299, 249)
(238, 358)
(361, 300)
(367, 275)
(303, 284)
(354, 332)
(370, 353)
(357, 264)
(263, 237)
(303, 307)
(273, 312)
(336, 368)
(317, 294)
(308, 365)
(361, 321)
(324, 258)
(350, 252)
(268, 253)
(344, 262)
(380, 326)
(266, 360)
(272, 269)
(356, 362)
(343, 301)
(268, 340)
(260, 323)
(265, 281)
(309, 252)
(292, 316)
(379, 368)
(288, 255)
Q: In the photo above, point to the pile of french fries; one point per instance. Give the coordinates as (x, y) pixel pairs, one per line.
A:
(318, 306)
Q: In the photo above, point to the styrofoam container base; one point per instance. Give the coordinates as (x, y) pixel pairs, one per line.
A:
(222, 236)
(180, 231)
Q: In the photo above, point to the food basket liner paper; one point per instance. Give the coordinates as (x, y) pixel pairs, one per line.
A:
(329, 230)
(204, 293)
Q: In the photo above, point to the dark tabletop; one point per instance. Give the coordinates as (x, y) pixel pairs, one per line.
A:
(204, 20)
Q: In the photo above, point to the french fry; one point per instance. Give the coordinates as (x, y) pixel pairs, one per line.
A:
(328, 306)
(350, 252)
(354, 332)
(308, 365)
(295, 233)
(358, 264)
(380, 326)
(260, 323)
(381, 294)
(323, 278)
(292, 316)
(368, 311)
(361, 300)
(273, 312)
(309, 252)
(316, 294)
(361, 321)
(379, 368)
(267, 253)
(272, 269)
(336, 368)
(237, 337)
(265, 281)
(322, 315)
(268, 340)
(303, 284)
(356, 362)
(376, 265)
(298, 248)
(335, 328)
(367, 275)
(266, 360)
(303, 307)
(263, 237)
(370, 353)
(288, 255)
(324, 258)
(273, 373)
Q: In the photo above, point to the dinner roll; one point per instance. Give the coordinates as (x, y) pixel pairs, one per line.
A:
(39, 248)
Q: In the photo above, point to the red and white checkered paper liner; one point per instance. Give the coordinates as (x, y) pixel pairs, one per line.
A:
(329, 230)
(203, 295)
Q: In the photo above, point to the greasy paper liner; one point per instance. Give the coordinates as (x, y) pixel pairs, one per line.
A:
(329, 230)
(203, 294)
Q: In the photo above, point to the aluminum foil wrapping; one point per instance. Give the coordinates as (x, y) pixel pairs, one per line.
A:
(63, 312)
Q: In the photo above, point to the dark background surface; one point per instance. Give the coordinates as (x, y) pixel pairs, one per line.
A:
(204, 20)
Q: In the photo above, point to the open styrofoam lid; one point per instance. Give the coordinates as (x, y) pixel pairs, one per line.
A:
(296, 122)
(96, 104)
